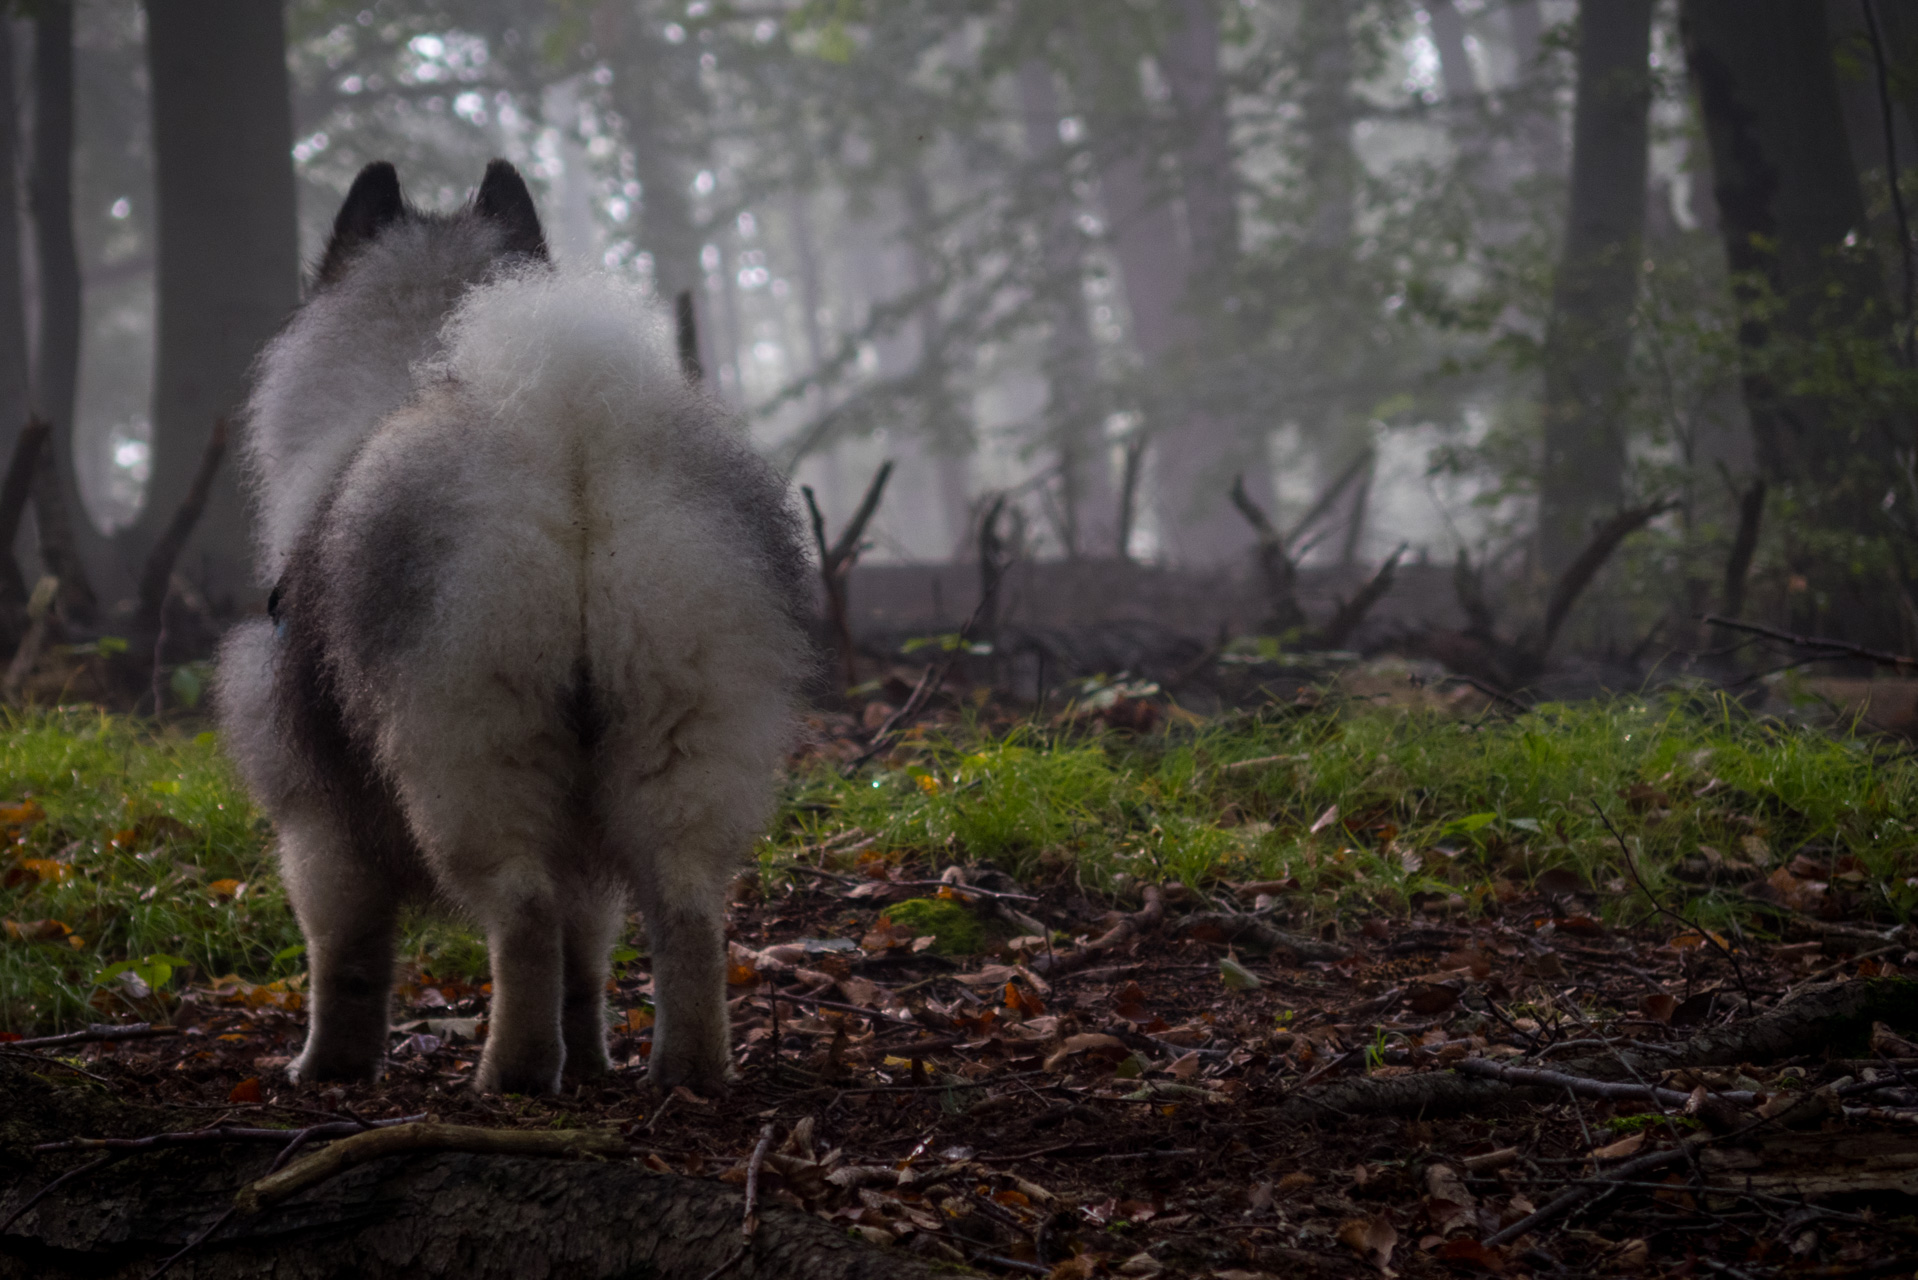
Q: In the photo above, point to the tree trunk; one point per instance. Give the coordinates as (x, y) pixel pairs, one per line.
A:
(1816, 329)
(228, 265)
(949, 441)
(59, 515)
(1588, 341)
(15, 378)
(1200, 455)
(452, 1214)
(656, 87)
(1087, 511)
(1542, 138)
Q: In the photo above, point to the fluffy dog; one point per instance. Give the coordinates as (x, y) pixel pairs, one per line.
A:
(535, 638)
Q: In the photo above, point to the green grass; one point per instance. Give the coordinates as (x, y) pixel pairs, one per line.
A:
(1426, 804)
(141, 825)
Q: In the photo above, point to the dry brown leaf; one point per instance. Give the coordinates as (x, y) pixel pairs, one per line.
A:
(1627, 1146)
(1371, 1238)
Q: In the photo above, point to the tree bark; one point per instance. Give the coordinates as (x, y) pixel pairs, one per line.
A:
(228, 265)
(1087, 511)
(451, 1214)
(15, 374)
(1541, 135)
(1588, 341)
(1816, 327)
(656, 91)
(59, 515)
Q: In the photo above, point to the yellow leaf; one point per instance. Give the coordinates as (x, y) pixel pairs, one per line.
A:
(228, 888)
(48, 869)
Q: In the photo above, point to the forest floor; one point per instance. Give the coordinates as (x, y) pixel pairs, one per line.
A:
(1315, 989)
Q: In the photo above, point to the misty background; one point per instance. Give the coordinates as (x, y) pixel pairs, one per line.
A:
(1455, 285)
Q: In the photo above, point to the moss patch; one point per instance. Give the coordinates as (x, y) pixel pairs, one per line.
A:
(958, 930)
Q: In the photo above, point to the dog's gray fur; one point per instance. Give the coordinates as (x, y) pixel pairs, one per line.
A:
(536, 636)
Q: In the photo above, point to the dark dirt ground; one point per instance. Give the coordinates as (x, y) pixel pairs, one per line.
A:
(1144, 1115)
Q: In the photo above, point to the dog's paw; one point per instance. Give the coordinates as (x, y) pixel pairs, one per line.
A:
(708, 1080)
(316, 1067)
(535, 1077)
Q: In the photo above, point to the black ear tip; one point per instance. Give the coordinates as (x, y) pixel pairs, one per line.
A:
(379, 178)
(502, 188)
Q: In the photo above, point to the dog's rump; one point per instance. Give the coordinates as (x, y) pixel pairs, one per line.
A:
(560, 577)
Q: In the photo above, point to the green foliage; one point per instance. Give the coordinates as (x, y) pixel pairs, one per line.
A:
(958, 930)
(1370, 808)
(147, 851)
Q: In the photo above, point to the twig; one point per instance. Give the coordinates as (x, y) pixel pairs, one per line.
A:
(751, 1223)
(688, 335)
(836, 561)
(997, 895)
(1617, 1091)
(1128, 928)
(843, 1007)
(1574, 1196)
(1631, 865)
(1892, 172)
(1837, 647)
(374, 1144)
(227, 1133)
(99, 1031)
(158, 570)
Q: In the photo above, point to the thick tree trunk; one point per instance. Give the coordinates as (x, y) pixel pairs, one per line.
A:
(1208, 446)
(15, 377)
(456, 1215)
(1087, 510)
(14, 370)
(1817, 328)
(1589, 338)
(947, 433)
(59, 515)
(229, 265)
(657, 93)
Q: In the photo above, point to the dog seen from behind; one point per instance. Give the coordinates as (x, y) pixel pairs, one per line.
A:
(535, 641)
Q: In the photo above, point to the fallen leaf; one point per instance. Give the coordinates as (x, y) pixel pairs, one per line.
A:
(1237, 976)
(1325, 819)
(235, 889)
(47, 870)
(1091, 1043)
(1659, 1006)
(1623, 1147)
(1371, 1238)
(248, 1090)
(1463, 1250)
(1298, 1180)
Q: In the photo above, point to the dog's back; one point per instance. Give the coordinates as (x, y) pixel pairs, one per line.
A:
(536, 643)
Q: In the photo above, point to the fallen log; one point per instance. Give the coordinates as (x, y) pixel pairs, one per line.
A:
(447, 1213)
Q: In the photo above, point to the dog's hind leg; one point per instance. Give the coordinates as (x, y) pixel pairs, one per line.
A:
(347, 906)
(487, 811)
(594, 913)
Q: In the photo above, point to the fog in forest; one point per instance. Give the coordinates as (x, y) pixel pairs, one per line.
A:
(1496, 332)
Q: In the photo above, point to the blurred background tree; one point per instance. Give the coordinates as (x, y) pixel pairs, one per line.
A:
(1513, 266)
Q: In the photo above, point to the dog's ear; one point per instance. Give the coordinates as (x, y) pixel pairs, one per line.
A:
(373, 203)
(504, 201)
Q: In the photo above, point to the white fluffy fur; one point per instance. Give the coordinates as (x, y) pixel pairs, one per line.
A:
(576, 490)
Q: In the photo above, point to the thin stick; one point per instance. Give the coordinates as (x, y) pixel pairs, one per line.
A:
(1632, 866)
(1618, 1091)
(997, 895)
(751, 1223)
(1579, 1194)
(227, 1133)
(1891, 166)
(1836, 647)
